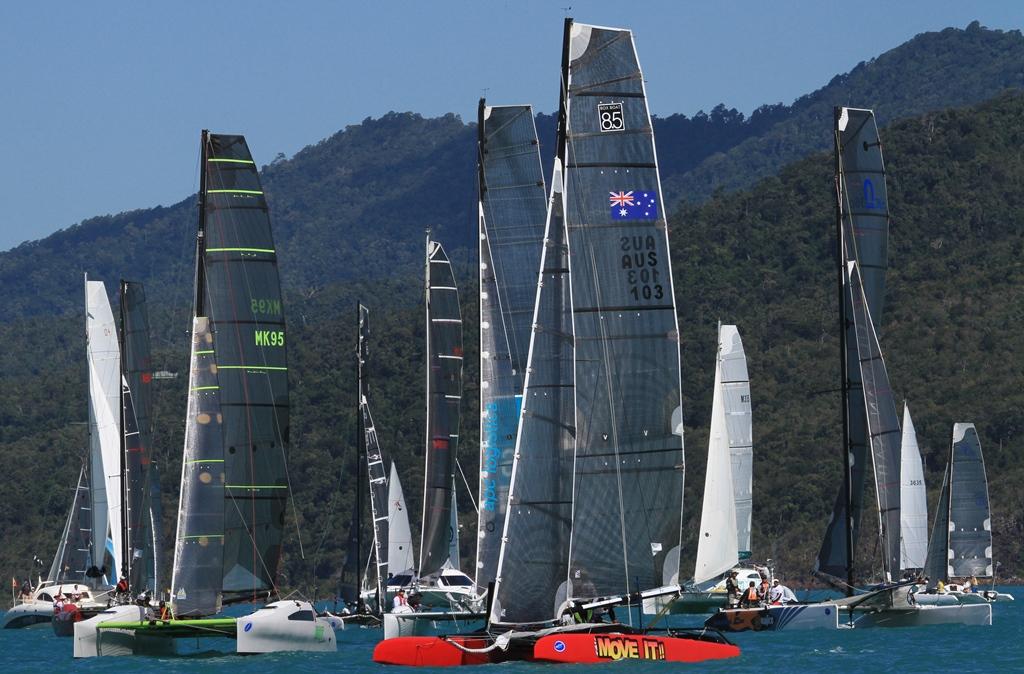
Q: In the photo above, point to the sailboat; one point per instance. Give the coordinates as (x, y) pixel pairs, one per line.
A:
(593, 516)
(724, 536)
(90, 514)
(440, 581)
(234, 488)
(961, 544)
(512, 209)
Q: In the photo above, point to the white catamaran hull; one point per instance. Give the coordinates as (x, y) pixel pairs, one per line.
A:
(285, 626)
(963, 614)
(91, 641)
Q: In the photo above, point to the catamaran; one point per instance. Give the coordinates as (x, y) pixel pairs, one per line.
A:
(234, 487)
(961, 543)
(592, 522)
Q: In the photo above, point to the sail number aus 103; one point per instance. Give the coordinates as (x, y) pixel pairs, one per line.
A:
(640, 263)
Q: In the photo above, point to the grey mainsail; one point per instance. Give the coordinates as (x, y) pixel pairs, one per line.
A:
(863, 207)
(533, 561)
(138, 370)
(376, 468)
(883, 426)
(444, 396)
(512, 207)
(238, 288)
(199, 544)
(970, 525)
(937, 565)
(628, 475)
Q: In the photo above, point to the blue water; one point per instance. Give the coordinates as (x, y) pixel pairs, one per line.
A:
(946, 648)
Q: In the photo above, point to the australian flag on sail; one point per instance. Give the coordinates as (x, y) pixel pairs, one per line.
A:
(634, 205)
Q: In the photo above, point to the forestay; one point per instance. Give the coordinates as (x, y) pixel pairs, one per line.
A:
(970, 524)
(628, 476)
(864, 210)
(199, 542)
(937, 564)
(239, 289)
(104, 359)
(913, 500)
(444, 397)
(512, 213)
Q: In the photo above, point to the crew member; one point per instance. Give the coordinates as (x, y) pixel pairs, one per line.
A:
(398, 601)
(732, 590)
(750, 596)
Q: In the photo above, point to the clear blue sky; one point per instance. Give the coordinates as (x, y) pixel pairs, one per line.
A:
(102, 102)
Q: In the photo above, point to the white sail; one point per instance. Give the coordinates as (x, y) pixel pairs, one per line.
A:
(104, 359)
(735, 385)
(453, 533)
(717, 547)
(913, 500)
(400, 557)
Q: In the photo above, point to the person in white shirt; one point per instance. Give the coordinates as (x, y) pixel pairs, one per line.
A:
(780, 594)
(399, 601)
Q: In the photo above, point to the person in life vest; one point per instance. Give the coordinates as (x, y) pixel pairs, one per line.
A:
(941, 588)
(399, 601)
(165, 612)
(763, 588)
(122, 585)
(751, 599)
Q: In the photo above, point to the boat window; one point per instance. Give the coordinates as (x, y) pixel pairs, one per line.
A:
(455, 579)
(42, 596)
(399, 581)
(302, 615)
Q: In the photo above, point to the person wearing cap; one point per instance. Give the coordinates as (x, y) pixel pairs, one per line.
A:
(732, 590)
(399, 601)
(780, 594)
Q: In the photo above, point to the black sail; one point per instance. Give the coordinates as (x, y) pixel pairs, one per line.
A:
(534, 558)
(199, 546)
(864, 209)
(513, 208)
(444, 396)
(970, 519)
(628, 482)
(138, 371)
(240, 291)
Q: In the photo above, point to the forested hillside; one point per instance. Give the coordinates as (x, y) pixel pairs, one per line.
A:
(368, 192)
(349, 215)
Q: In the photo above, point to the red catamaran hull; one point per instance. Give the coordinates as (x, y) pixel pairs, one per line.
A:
(569, 648)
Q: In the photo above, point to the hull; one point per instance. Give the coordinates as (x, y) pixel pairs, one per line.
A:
(284, 626)
(554, 646)
(776, 618)
(935, 599)
(29, 614)
(964, 614)
(90, 641)
(687, 603)
(64, 622)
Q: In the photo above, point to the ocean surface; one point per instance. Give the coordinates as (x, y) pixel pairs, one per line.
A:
(946, 648)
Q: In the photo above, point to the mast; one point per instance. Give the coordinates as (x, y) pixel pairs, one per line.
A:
(126, 557)
(200, 280)
(360, 457)
(427, 390)
(844, 382)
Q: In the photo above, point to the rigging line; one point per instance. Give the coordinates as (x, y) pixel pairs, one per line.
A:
(466, 482)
